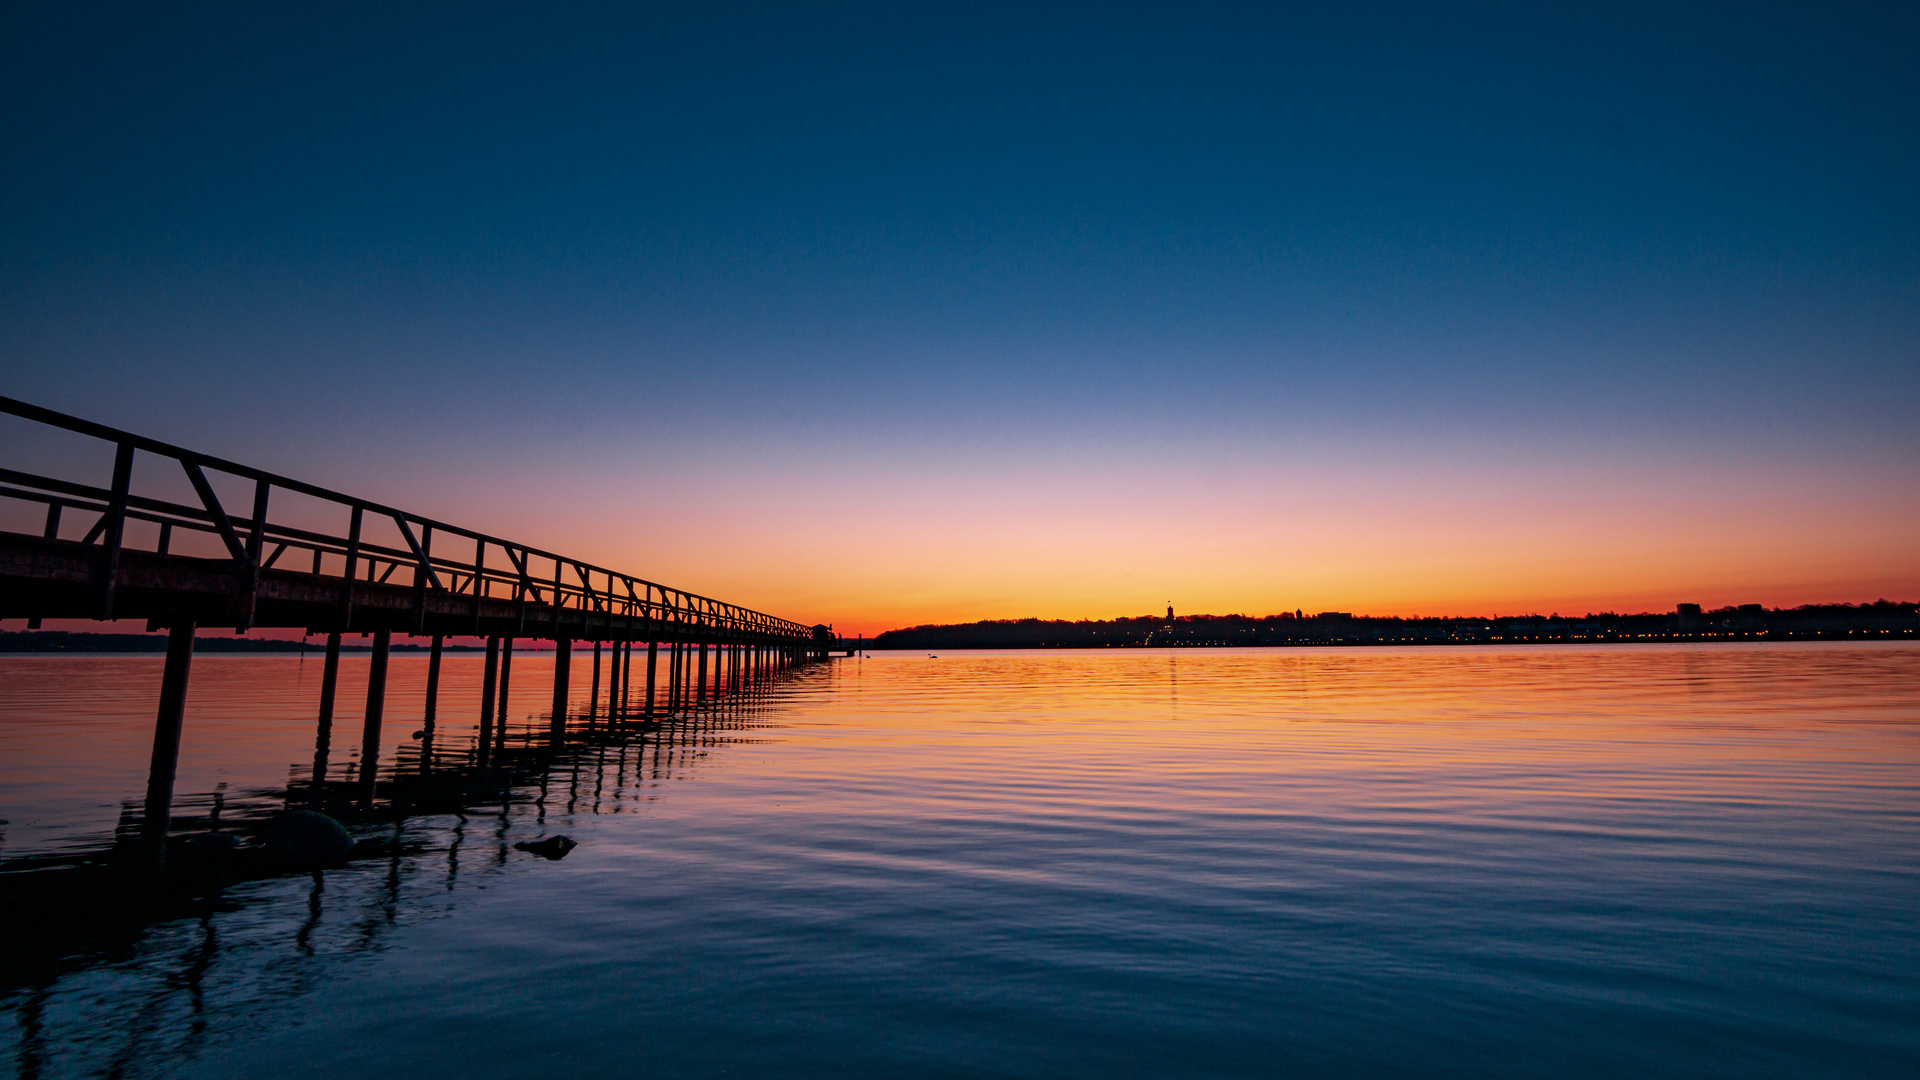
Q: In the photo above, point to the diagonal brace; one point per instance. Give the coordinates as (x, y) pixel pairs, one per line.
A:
(526, 580)
(426, 564)
(212, 503)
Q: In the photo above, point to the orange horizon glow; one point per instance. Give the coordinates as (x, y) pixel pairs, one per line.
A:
(888, 551)
(873, 548)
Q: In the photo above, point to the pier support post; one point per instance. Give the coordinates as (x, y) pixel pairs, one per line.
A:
(626, 677)
(488, 679)
(653, 658)
(506, 679)
(433, 705)
(376, 707)
(673, 679)
(700, 696)
(562, 667)
(323, 734)
(166, 745)
(616, 681)
(593, 692)
(626, 680)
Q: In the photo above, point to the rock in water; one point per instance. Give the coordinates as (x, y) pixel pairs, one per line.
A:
(214, 843)
(309, 838)
(553, 847)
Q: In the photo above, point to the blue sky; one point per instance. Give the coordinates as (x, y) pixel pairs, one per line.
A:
(391, 247)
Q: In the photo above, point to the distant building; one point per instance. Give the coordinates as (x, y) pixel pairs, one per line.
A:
(1169, 611)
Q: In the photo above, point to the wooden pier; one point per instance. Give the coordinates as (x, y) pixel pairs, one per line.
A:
(306, 557)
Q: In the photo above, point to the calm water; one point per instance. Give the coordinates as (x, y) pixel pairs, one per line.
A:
(1658, 861)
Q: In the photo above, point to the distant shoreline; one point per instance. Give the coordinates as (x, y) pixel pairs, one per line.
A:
(1881, 620)
(1757, 639)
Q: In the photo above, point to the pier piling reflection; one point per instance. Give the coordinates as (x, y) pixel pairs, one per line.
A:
(90, 906)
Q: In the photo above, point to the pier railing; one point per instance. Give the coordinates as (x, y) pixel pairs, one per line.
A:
(379, 544)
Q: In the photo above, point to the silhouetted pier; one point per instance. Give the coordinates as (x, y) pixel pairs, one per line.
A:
(306, 557)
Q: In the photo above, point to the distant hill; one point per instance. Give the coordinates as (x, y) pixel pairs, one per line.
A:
(1880, 620)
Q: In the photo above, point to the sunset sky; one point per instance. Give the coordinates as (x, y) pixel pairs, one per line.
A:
(893, 314)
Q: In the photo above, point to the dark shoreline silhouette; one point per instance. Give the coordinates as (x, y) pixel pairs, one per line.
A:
(1877, 621)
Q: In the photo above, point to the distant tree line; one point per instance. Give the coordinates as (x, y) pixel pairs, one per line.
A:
(1882, 619)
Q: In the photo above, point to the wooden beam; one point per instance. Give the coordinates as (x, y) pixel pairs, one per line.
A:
(420, 553)
(212, 502)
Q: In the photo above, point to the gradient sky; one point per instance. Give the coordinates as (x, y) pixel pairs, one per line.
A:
(896, 314)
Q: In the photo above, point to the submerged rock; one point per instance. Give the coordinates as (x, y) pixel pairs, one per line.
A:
(213, 843)
(553, 847)
(309, 838)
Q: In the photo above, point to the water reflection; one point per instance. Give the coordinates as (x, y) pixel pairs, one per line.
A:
(128, 963)
(1661, 861)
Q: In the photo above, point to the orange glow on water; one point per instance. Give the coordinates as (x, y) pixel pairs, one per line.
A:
(1473, 732)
